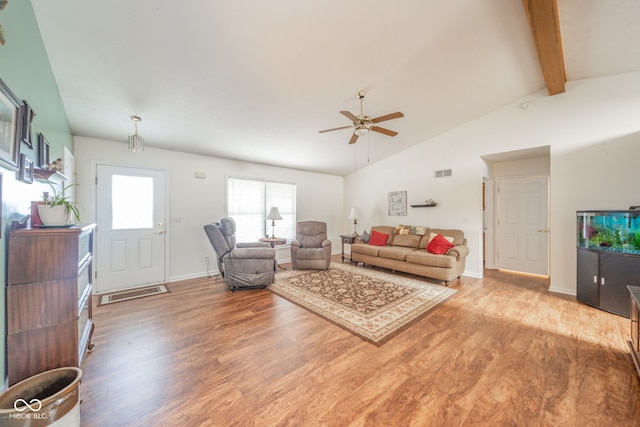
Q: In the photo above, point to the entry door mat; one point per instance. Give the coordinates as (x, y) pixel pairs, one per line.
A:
(372, 305)
(132, 294)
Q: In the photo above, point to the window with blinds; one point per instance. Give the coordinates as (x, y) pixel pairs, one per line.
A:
(249, 202)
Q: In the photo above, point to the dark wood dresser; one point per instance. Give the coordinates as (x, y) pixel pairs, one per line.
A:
(49, 287)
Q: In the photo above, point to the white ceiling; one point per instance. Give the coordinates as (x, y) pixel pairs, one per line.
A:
(256, 80)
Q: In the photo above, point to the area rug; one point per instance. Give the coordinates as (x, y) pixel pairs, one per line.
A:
(370, 304)
(130, 294)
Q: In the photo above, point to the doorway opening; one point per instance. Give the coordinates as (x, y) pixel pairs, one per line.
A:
(516, 210)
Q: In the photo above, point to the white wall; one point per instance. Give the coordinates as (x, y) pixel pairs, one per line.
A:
(594, 133)
(200, 201)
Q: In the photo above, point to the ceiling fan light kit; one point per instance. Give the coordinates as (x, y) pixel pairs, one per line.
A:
(363, 124)
(361, 131)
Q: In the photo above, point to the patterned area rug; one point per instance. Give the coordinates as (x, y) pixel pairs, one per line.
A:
(367, 303)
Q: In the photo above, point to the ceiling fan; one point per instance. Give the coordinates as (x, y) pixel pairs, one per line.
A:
(362, 124)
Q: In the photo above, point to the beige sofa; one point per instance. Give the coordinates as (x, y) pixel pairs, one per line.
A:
(407, 253)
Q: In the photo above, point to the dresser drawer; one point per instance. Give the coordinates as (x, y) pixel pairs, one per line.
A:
(85, 246)
(84, 314)
(84, 281)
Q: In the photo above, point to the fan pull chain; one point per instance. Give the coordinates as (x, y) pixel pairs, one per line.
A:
(354, 159)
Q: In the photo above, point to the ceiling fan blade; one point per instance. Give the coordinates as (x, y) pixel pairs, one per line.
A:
(349, 115)
(329, 130)
(384, 131)
(395, 115)
(353, 139)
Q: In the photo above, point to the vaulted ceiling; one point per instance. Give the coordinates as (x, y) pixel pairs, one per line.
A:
(254, 80)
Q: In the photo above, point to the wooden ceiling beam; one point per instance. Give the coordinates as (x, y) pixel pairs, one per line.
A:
(545, 28)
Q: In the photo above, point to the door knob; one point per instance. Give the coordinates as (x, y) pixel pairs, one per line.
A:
(543, 230)
(159, 228)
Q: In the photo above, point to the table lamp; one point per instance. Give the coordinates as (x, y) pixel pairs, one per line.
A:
(274, 215)
(354, 215)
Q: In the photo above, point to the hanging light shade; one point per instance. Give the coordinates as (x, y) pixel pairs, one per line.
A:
(136, 142)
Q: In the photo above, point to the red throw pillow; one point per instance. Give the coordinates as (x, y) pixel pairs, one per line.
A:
(378, 239)
(439, 245)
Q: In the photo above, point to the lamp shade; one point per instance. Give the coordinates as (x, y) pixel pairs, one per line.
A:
(136, 142)
(274, 214)
(354, 214)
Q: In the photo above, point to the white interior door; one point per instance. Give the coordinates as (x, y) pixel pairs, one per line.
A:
(523, 224)
(131, 227)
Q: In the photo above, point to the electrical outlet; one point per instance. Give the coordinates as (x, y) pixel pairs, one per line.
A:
(206, 259)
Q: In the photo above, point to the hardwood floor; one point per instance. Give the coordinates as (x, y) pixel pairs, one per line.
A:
(502, 352)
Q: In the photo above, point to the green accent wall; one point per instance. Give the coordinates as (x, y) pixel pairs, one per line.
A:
(25, 68)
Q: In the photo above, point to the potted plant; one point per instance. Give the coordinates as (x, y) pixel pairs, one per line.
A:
(57, 208)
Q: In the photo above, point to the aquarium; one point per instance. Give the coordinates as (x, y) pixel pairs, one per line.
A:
(613, 231)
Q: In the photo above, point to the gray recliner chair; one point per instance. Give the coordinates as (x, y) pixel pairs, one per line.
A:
(311, 249)
(242, 265)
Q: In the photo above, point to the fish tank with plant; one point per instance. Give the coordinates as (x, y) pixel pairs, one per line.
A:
(613, 231)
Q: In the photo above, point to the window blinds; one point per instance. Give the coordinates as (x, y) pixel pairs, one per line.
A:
(249, 202)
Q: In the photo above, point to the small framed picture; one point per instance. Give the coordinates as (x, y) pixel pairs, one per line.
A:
(26, 168)
(27, 118)
(43, 152)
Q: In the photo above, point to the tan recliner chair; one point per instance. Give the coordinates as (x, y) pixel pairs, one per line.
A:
(311, 249)
(242, 265)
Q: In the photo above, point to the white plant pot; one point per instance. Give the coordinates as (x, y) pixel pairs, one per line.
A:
(54, 215)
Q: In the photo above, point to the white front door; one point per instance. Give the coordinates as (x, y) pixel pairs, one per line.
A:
(523, 224)
(131, 227)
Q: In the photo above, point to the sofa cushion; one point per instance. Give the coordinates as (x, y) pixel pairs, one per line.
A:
(439, 245)
(423, 257)
(378, 239)
(394, 252)
(311, 254)
(407, 240)
(365, 249)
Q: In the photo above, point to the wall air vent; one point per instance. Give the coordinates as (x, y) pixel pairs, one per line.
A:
(443, 173)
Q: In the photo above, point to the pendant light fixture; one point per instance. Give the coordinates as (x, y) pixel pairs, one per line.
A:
(136, 142)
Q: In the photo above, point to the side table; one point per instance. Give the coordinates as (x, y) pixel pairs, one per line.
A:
(349, 239)
(274, 241)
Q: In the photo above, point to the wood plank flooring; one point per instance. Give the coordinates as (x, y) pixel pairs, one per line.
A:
(502, 352)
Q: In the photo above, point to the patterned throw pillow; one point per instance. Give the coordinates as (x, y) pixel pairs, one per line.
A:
(378, 239)
(403, 229)
(418, 230)
(439, 245)
(365, 237)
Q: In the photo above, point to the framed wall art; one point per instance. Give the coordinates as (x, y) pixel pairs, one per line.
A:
(43, 152)
(10, 127)
(397, 203)
(27, 118)
(27, 169)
